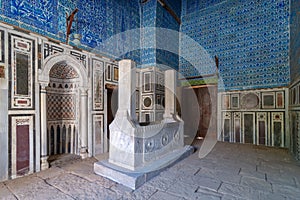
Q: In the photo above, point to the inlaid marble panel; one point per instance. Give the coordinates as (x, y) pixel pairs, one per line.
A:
(22, 145)
(22, 54)
(237, 127)
(2, 46)
(50, 49)
(277, 129)
(115, 73)
(268, 100)
(249, 128)
(79, 56)
(98, 125)
(2, 72)
(98, 82)
(61, 106)
(258, 118)
(108, 72)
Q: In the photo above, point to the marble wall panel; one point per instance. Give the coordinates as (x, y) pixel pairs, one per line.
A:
(256, 118)
(22, 70)
(98, 84)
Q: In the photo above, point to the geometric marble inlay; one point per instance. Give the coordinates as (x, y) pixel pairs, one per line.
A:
(61, 107)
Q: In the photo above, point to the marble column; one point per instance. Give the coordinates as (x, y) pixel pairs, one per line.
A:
(43, 105)
(170, 91)
(83, 123)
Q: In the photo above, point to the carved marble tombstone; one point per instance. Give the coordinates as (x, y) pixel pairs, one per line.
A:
(138, 153)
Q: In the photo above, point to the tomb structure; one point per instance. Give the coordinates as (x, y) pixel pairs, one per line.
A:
(138, 153)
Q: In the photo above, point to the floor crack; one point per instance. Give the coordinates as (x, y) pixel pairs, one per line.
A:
(46, 182)
(10, 190)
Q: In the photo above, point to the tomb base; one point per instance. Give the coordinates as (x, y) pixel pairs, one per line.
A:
(135, 178)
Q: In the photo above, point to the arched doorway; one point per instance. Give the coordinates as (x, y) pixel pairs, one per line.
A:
(200, 112)
(64, 85)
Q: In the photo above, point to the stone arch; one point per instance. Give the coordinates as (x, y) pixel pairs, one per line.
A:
(69, 60)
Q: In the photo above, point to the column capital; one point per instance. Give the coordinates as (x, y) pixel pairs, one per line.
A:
(83, 91)
(43, 85)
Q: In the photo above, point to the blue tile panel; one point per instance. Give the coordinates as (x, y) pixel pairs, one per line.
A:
(167, 37)
(175, 5)
(250, 38)
(295, 41)
(160, 39)
(190, 6)
(96, 20)
(148, 34)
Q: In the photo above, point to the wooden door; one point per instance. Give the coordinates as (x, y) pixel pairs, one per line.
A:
(207, 100)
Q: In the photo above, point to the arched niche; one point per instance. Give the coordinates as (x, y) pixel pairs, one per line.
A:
(68, 60)
(44, 79)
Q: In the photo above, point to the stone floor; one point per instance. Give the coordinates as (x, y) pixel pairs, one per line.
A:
(230, 171)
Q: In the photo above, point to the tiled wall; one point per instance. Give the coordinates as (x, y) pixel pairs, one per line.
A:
(159, 47)
(167, 46)
(295, 40)
(148, 39)
(250, 38)
(196, 5)
(96, 20)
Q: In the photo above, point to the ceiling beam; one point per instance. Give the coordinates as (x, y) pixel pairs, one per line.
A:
(168, 8)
